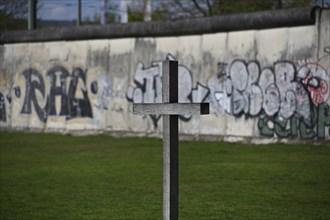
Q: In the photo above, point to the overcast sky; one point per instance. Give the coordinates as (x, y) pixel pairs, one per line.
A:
(67, 9)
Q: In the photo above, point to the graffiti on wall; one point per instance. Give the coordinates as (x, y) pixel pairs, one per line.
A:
(3, 116)
(73, 95)
(70, 88)
(104, 94)
(290, 99)
(148, 87)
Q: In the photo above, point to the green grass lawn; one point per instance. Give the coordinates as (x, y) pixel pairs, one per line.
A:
(47, 176)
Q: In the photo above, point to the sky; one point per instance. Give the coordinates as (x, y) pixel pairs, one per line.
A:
(67, 9)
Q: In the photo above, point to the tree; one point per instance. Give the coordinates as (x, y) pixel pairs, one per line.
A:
(139, 10)
(200, 8)
(14, 8)
(296, 3)
(13, 14)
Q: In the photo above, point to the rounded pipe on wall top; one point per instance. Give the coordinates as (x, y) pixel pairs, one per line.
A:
(222, 23)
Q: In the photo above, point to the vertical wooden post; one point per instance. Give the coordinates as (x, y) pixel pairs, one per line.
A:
(78, 12)
(170, 143)
(32, 14)
(170, 109)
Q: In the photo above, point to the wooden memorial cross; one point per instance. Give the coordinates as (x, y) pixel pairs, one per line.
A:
(170, 109)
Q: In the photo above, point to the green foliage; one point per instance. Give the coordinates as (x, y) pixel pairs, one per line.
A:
(238, 6)
(296, 3)
(134, 16)
(9, 23)
(13, 14)
(138, 15)
(47, 176)
(159, 14)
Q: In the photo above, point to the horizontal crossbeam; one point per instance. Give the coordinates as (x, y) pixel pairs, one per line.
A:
(171, 109)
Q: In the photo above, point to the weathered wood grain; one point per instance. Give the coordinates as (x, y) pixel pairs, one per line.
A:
(171, 109)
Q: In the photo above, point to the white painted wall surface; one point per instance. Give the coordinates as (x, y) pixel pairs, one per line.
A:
(270, 83)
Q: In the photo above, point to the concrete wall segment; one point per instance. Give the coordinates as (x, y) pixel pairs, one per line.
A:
(269, 83)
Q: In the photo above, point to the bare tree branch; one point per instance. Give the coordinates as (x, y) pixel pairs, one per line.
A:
(184, 9)
(16, 8)
(209, 6)
(199, 8)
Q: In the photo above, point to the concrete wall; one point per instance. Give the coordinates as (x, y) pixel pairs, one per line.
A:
(262, 85)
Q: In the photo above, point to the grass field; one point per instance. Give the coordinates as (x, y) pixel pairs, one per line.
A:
(47, 176)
